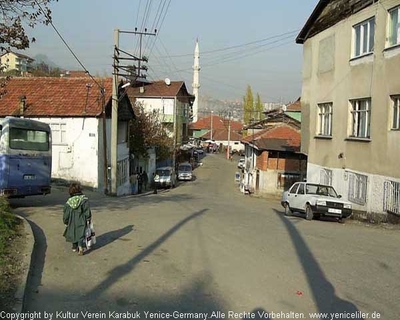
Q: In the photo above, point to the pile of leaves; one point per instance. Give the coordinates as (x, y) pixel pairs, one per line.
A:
(10, 255)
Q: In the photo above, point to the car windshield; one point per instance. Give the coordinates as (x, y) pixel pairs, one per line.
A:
(321, 190)
(184, 168)
(163, 172)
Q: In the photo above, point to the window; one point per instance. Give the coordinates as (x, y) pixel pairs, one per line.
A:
(363, 37)
(325, 119)
(25, 139)
(326, 177)
(394, 27)
(360, 116)
(59, 133)
(396, 113)
(122, 172)
(391, 198)
(301, 189)
(357, 188)
(294, 188)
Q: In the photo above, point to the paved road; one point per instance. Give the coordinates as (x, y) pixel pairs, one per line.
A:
(205, 247)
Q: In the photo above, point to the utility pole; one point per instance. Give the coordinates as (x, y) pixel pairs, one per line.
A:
(229, 135)
(114, 116)
(211, 133)
(132, 75)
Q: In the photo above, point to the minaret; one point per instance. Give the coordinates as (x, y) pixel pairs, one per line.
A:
(196, 81)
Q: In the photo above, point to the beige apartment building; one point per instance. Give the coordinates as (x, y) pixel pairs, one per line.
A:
(351, 101)
(15, 61)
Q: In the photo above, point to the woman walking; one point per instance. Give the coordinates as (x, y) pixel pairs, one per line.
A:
(77, 216)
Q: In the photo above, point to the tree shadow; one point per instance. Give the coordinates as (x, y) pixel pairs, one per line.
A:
(119, 271)
(109, 237)
(322, 290)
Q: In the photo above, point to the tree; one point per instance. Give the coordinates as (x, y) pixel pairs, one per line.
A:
(248, 106)
(16, 14)
(259, 107)
(148, 131)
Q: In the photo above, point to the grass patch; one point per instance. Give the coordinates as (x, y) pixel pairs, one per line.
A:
(9, 224)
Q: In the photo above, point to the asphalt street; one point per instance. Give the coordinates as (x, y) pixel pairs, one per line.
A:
(204, 247)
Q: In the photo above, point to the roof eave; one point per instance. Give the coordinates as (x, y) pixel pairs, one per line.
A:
(303, 35)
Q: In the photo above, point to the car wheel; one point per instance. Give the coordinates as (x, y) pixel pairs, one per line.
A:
(288, 211)
(309, 212)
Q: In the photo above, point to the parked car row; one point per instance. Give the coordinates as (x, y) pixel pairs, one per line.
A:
(166, 177)
(315, 201)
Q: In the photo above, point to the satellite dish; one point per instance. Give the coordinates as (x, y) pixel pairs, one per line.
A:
(167, 81)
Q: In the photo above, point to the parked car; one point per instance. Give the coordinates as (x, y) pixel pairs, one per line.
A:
(165, 177)
(241, 163)
(185, 171)
(315, 200)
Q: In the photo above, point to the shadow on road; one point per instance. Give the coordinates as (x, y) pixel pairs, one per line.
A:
(109, 237)
(119, 271)
(323, 291)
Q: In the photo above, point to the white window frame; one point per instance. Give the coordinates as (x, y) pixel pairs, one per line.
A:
(325, 119)
(395, 121)
(393, 37)
(363, 40)
(58, 133)
(360, 118)
(391, 198)
(358, 184)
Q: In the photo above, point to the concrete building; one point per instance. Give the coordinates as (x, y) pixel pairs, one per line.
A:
(351, 101)
(15, 61)
(81, 139)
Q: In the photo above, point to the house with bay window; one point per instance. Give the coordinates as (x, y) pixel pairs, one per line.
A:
(351, 101)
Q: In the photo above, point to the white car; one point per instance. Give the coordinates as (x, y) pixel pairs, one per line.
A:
(241, 163)
(315, 200)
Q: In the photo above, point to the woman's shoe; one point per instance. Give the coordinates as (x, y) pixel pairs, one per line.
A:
(80, 251)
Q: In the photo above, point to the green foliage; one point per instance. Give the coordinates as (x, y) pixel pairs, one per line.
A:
(8, 225)
(259, 108)
(146, 131)
(248, 106)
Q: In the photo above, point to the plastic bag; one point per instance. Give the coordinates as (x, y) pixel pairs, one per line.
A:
(90, 235)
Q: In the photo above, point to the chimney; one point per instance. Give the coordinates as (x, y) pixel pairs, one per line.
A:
(22, 105)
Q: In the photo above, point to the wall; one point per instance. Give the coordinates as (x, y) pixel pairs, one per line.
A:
(76, 158)
(339, 80)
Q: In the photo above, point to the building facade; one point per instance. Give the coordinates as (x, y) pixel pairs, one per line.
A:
(15, 61)
(351, 101)
(81, 132)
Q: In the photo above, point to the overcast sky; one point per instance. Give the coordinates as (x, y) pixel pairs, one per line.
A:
(261, 32)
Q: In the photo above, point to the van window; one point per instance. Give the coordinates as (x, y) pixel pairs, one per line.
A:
(163, 173)
(185, 168)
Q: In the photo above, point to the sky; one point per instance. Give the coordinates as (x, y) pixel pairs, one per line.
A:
(242, 43)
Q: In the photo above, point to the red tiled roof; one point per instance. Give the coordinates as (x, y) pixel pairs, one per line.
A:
(55, 97)
(222, 135)
(217, 123)
(295, 106)
(285, 135)
(157, 89)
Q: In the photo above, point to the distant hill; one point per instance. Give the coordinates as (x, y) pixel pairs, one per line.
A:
(42, 58)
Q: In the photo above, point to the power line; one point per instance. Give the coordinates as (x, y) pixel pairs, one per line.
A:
(69, 48)
(238, 46)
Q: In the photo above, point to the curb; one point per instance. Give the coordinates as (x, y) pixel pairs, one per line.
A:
(26, 262)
